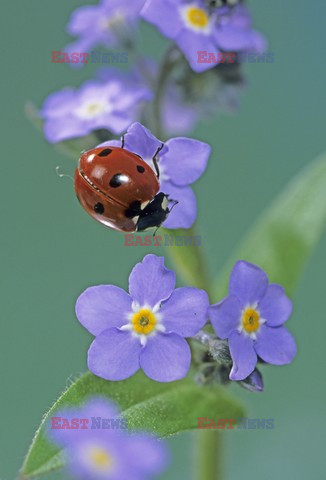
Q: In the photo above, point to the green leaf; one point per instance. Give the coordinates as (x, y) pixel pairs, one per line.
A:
(162, 408)
(287, 232)
(188, 259)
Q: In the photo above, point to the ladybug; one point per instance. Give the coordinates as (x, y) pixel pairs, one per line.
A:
(120, 190)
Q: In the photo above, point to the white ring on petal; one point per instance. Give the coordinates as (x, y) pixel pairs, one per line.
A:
(159, 327)
(206, 30)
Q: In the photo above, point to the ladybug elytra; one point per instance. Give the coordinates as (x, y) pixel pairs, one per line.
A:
(120, 190)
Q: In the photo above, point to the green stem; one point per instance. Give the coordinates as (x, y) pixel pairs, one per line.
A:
(191, 264)
(208, 452)
(170, 60)
(189, 260)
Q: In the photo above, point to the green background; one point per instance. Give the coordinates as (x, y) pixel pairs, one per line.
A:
(51, 250)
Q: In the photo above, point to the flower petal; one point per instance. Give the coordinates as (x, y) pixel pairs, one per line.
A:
(184, 212)
(236, 34)
(155, 460)
(59, 103)
(186, 160)
(253, 383)
(164, 15)
(110, 143)
(140, 140)
(63, 436)
(166, 357)
(117, 122)
(81, 19)
(102, 307)
(114, 355)
(275, 345)
(225, 316)
(248, 283)
(63, 128)
(185, 312)
(229, 38)
(99, 406)
(275, 307)
(243, 355)
(150, 282)
(191, 43)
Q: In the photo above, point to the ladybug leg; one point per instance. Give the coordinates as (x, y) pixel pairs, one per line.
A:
(155, 160)
(123, 141)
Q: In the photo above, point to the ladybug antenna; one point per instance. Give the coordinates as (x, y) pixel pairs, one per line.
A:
(61, 175)
(155, 160)
(175, 202)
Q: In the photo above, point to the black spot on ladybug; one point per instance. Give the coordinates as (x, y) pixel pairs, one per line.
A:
(140, 169)
(117, 180)
(99, 208)
(105, 152)
(133, 210)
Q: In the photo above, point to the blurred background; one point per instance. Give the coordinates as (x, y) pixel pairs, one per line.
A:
(51, 250)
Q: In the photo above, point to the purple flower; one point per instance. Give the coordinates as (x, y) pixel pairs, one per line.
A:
(145, 328)
(196, 28)
(181, 162)
(177, 116)
(111, 105)
(235, 33)
(107, 24)
(251, 318)
(104, 453)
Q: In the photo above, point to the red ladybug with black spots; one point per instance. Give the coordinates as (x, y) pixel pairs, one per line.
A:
(120, 190)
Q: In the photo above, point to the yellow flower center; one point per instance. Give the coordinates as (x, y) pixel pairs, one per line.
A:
(94, 109)
(197, 17)
(144, 321)
(250, 320)
(100, 459)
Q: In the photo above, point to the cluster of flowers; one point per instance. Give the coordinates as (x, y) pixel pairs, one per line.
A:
(114, 99)
(147, 327)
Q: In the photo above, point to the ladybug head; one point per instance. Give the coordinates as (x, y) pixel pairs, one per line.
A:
(155, 213)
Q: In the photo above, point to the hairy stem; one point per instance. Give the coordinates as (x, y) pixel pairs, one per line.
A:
(208, 453)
